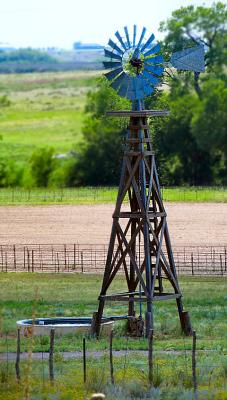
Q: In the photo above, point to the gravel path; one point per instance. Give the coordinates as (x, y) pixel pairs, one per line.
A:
(95, 354)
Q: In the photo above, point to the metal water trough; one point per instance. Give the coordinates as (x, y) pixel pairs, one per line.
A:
(62, 326)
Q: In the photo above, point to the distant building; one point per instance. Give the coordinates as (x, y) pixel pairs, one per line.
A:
(5, 48)
(87, 46)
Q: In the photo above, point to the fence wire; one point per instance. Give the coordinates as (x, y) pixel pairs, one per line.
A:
(62, 258)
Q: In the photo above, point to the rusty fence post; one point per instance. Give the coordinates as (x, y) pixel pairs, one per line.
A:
(65, 256)
(14, 258)
(82, 261)
(192, 263)
(221, 265)
(32, 260)
(24, 257)
(74, 256)
(17, 363)
(51, 355)
(6, 261)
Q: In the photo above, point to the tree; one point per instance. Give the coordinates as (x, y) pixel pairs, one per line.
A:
(26, 55)
(98, 160)
(42, 164)
(209, 124)
(10, 173)
(180, 160)
(189, 26)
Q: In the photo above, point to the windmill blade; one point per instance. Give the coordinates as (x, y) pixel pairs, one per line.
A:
(122, 78)
(111, 64)
(127, 36)
(141, 37)
(132, 90)
(154, 60)
(112, 74)
(124, 87)
(136, 51)
(148, 42)
(157, 70)
(123, 90)
(148, 90)
(136, 90)
(134, 35)
(150, 77)
(135, 95)
(189, 59)
(139, 87)
(115, 47)
(154, 50)
(110, 54)
(131, 95)
(117, 34)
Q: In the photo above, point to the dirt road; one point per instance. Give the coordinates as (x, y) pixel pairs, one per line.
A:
(189, 224)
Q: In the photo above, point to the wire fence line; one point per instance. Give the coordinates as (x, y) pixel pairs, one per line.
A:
(69, 258)
(105, 194)
(48, 367)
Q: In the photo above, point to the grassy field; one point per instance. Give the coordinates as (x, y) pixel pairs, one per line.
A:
(25, 295)
(46, 109)
(102, 195)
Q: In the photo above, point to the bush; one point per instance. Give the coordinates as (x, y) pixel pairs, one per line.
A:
(42, 165)
(4, 101)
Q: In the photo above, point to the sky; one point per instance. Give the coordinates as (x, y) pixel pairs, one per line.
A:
(59, 23)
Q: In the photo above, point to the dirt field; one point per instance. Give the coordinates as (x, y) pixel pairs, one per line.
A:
(189, 224)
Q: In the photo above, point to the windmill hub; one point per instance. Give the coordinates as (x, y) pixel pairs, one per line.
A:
(137, 63)
(132, 62)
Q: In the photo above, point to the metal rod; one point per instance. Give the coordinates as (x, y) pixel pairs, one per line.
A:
(111, 358)
(84, 360)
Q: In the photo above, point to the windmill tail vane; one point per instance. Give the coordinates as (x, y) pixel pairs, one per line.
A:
(136, 64)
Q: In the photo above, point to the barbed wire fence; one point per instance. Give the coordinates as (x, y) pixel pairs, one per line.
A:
(51, 363)
(70, 258)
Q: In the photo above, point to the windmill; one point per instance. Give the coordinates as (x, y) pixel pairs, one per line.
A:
(140, 246)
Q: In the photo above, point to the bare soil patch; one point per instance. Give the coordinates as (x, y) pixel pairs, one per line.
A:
(190, 224)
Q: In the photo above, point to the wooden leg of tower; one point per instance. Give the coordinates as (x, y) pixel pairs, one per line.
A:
(131, 310)
(184, 318)
(131, 305)
(149, 319)
(97, 319)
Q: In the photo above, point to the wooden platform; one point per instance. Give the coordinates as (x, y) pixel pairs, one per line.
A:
(142, 113)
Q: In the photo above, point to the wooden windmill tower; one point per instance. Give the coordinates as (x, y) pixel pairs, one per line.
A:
(140, 244)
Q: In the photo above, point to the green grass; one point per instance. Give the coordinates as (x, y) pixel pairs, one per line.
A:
(46, 109)
(25, 295)
(172, 378)
(196, 194)
(102, 195)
